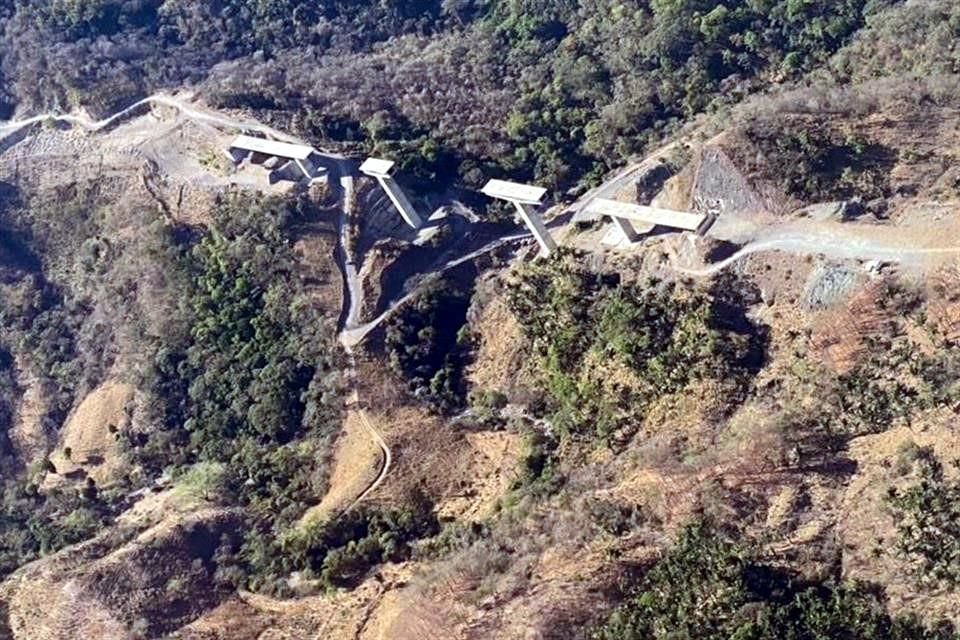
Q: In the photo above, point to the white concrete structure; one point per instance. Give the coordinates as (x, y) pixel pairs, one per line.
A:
(380, 169)
(623, 213)
(526, 198)
(298, 154)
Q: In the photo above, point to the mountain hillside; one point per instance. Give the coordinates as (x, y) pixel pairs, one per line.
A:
(237, 402)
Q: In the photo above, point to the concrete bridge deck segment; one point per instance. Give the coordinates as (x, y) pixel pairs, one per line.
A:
(624, 214)
(298, 154)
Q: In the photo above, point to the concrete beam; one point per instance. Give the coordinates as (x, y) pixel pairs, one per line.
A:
(400, 201)
(237, 156)
(380, 169)
(539, 230)
(526, 198)
(272, 148)
(307, 168)
(515, 192)
(622, 213)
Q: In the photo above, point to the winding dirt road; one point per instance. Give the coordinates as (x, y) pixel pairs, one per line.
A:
(838, 241)
(185, 107)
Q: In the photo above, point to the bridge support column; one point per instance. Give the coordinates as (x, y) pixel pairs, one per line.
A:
(626, 229)
(526, 199)
(307, 168)
(380, 169)
(539, 230)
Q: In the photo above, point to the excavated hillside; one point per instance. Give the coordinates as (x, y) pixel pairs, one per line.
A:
(499, 445)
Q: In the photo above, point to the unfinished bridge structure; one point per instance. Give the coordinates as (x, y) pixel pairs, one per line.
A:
(380, 170)
(527, 199)
(279, 157)
(625, 214)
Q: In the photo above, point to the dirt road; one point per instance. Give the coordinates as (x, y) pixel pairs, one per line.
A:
(832, 240)
(184, 106)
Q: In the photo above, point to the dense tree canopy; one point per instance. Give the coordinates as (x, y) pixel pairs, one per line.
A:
(706, 587)
(556, 90)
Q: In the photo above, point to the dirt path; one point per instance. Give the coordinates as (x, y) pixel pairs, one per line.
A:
(353, 404)
(184, 106)
(844, 242)
(387, 459)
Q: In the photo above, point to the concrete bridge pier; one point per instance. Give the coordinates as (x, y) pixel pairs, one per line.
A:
(380, 170)
(535, 223)
(526, 198)
(626, 228)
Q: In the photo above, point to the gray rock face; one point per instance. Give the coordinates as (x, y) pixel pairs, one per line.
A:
(650, 180)
(837, 210)
(718, 180)
(828, 284)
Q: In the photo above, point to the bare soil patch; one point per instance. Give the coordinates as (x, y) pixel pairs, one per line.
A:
(89, 434)
(356, 462)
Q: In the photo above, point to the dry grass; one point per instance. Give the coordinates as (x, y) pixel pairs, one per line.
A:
(866, 529)
(104, 587)
(89, 434)
(501, 359)
(841, 336)
(487, 473)
(356, 462)
(314, 252)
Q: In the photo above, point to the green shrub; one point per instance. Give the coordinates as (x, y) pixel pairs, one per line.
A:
(539, 471)
(487, 407)
(662, 337)
(339, 552)
(708, 588)
(257, 372)
(248, 397)
(34, 524)
(204, 480)
(427, 347)
(927, 514)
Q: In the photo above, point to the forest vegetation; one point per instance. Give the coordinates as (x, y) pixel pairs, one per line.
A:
(552, 90)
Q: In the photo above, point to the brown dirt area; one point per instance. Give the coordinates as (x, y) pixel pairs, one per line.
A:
(487, 474)
(356, 463)
(87, 433)
(315, 261)
(501, 356)
(381, 608)
(866, 528)
(103, 587)
(465, 472)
